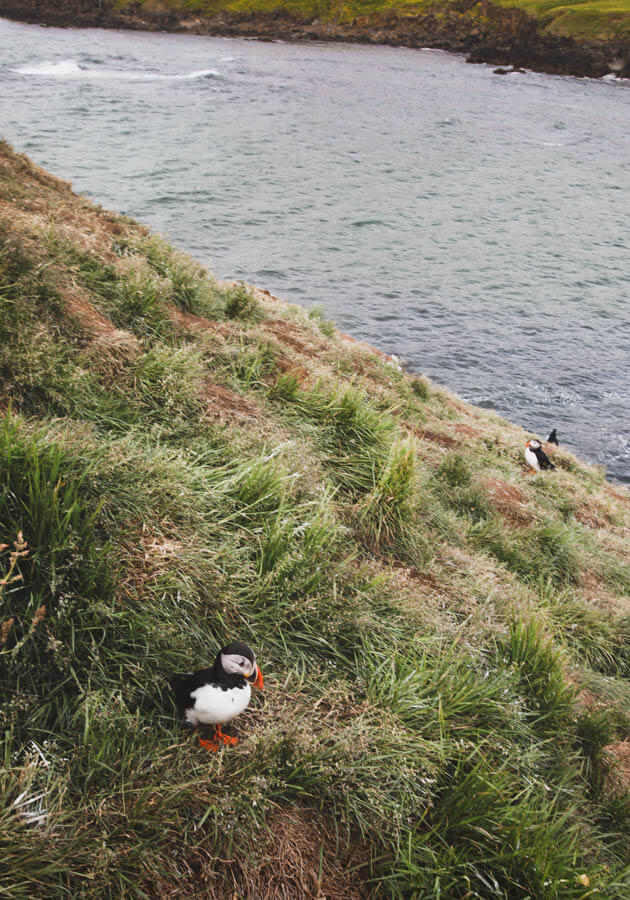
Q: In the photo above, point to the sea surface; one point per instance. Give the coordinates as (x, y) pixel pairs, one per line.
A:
(474, 224)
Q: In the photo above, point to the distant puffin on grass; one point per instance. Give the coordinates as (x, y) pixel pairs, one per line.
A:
(553, 438)
(217, 695)
(536, 458)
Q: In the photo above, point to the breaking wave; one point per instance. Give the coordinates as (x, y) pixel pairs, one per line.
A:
(70, 68)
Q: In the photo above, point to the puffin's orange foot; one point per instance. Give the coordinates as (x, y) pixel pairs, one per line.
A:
(209, 745)
(224, 738)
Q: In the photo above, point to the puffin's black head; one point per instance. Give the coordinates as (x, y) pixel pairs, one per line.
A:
(239, 659)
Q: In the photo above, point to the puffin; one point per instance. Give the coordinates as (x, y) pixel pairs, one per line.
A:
(217, 695)
(536, 458)
(553, 438)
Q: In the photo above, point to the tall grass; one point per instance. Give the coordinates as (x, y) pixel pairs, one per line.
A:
(540, 674)
(386, 515)
(419, 734)
(355, 437)
(601, 641)
(548, 551)
(454, 486)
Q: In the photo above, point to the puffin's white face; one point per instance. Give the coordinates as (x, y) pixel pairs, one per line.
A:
(236, 664)
(533, 445)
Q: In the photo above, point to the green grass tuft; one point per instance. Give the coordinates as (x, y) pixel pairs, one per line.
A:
(546, 551)
(420, 388)
(540, 674)
(240, 303)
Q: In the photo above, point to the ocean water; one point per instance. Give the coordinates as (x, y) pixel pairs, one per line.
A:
(476, 225)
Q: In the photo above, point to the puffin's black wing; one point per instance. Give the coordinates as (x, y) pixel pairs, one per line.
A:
(553, 438)
(184, 684)
(543, 459)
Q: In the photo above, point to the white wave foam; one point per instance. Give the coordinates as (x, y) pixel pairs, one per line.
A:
(202, 73)
(69, 68)
(611, 78)
(65, 67)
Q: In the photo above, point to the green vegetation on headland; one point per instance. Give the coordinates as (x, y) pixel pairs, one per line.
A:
(445, 641)
(590, 38)
(602, 19)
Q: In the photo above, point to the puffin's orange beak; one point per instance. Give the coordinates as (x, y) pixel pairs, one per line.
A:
(527, 444)
(258, 681)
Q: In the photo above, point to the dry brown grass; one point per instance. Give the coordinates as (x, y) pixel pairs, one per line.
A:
(292, 336)
(596, 591)
(620, 775)
(510, 502)
(191, 324)
(469, 430)
(299, 859)
(222, 403)
(436, 437)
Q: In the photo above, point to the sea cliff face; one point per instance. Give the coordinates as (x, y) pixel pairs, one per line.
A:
(487, 33)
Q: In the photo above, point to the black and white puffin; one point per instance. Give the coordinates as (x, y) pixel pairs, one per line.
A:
(553, 438)
(217, 695)
(536, 458)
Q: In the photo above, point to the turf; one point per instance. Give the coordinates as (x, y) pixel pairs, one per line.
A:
(584, 20)
(445, 641)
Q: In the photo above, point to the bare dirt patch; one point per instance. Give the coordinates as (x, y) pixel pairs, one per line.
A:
(435, 437)
(286, 365)
(509, 501)
(222, 403)
(470, 430)
(289, 334)
(425, 579)
(189, 322)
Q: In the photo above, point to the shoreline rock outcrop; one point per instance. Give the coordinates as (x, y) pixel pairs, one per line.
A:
(486, 33)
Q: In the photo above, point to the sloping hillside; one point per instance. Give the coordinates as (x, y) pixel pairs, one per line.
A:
(445, 640)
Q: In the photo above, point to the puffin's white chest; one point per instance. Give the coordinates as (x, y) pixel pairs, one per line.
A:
(531, 459)
(214, 706)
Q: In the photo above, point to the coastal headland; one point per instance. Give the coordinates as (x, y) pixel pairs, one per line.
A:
(586, 39)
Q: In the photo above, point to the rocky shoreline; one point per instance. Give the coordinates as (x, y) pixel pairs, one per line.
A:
(484, 32)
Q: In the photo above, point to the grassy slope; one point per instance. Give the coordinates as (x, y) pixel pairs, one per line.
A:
(445, 642)
(584, 19)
